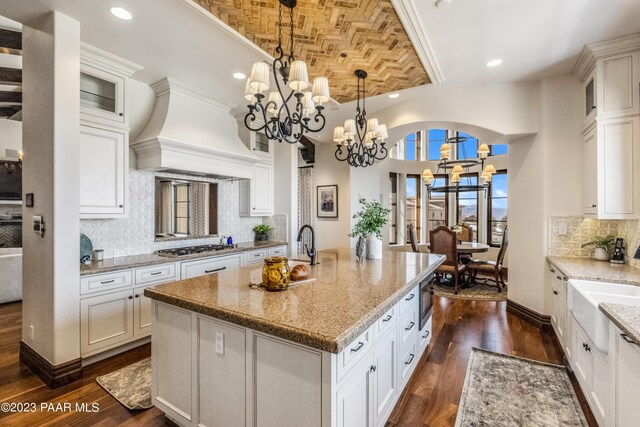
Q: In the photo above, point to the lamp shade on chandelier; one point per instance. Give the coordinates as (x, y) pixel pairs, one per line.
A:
(459, 171)
(360, 141)
(295, 106)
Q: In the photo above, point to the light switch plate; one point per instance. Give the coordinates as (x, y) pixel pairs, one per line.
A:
(562, 229)
(219, 342)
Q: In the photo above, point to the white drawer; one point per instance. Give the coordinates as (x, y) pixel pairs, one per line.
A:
(205, 266)
(408, 329)
(353, 352)
(387, 320)
(424, 336)
(278, 251)
(105, 282)
(254, 257)
(155, 273)
(408, 360)
(410, 301)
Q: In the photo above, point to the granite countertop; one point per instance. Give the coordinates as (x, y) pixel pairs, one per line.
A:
(347, 297)
(589, 269)
(144, 260)
(625, 317)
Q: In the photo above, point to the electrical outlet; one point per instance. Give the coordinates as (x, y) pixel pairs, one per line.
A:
(562, 229)
(31, 332)
(219, 342)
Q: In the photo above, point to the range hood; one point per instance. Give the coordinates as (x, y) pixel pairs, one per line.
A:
(189, 132)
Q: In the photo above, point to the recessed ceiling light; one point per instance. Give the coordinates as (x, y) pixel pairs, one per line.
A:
(394, 95)
(239, 76)
(121, 13)
(494, 62)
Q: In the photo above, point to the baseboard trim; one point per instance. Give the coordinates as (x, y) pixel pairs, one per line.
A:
(53, 376)
(538, 320)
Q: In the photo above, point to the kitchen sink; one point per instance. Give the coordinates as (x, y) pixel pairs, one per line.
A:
(583, 299)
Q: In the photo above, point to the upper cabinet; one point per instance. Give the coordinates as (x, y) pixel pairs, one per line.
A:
(256, 194)
(103, 87)
(610, 73)
(257, 142)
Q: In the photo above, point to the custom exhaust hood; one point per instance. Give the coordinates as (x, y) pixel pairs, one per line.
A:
(189, 132)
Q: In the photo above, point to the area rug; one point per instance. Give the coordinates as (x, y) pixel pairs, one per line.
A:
(130, 385)
(478, 292)
(502, 390)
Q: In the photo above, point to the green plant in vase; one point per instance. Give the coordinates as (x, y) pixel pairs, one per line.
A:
(262, 231)
(602, 246)
(370, 220)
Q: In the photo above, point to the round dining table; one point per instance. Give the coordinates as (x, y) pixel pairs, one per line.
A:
(468, 248)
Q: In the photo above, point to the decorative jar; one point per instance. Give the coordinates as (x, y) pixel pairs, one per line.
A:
(275, 273)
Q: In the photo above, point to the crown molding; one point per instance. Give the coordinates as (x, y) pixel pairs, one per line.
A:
(409, 17)
(594, 51)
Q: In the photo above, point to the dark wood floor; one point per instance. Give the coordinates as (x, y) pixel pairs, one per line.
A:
(430, 399)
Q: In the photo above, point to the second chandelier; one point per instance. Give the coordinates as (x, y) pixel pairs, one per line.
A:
(360, 141)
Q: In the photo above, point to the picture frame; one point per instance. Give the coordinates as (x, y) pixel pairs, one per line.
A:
(327, 201)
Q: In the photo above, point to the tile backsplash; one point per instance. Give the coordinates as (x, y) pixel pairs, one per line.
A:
(136, 234)
(581, 230)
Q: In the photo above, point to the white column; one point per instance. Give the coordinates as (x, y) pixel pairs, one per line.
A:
(51, 114)
(286, 189)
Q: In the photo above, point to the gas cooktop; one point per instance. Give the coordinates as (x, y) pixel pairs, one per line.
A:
(191, 250)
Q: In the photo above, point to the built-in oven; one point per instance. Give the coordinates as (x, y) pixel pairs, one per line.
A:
(426, 299)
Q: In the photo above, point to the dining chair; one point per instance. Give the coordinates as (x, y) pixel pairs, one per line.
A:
(493, 268)
(411, 235)
(466, 234)
(444, 241)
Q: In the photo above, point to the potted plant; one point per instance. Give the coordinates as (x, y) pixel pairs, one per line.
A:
(370, 220)
(261, 232)
(602, 246)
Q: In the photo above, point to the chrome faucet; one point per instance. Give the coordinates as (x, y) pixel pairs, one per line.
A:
(310, 252)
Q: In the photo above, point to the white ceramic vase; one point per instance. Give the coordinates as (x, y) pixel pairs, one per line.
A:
(374, 247)
(601, 254)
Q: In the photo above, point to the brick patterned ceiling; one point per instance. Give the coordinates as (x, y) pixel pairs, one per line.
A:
(368, 32)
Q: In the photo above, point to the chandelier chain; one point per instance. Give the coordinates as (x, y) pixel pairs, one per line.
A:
(279, 26)
(291, 58)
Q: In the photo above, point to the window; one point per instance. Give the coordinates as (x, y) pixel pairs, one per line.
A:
(469, 148)
(181, 209)
(412, 146)
(393, 207)
(436, 139)
(497, 208)
(467, 205)
(498, 149)
(438, 207)
(412, 210)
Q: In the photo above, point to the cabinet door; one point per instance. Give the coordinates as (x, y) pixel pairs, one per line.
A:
(101, 95)
(354, 398)
(262, 189)
(221, 374)
(590, 171)
(599, 387)
(105, 320)
(141, 313)
(627, 383)
(582, 361)
(209, 266)
(385, 378)
(616, 151)
(103, 168)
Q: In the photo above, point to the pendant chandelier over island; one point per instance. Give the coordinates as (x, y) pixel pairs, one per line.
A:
(276, 118)
(364, 150)
(459, 171)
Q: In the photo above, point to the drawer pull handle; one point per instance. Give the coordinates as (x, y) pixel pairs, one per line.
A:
(565, 278)
(156, 273)
(552, 270)
(386, 319)
(408, 362)
(130, 296)
(559, 277)
(358, 347)
(555, 292)
(105, 282)
(627, 339)
(214, 270)
(411, 325)
(137, 295)
(426, 335)
(410, 297)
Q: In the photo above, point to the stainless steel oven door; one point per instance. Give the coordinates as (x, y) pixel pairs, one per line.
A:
(426, 300)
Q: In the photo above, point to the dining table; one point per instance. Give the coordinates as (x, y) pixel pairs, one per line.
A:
(468, 248)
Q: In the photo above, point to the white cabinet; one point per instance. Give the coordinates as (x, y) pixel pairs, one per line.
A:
(590, 173)
(105, 320)
(257, 142)
(354, 398)
(205, 266)
(278, 251)
(104, 158)
(626, 379)
(255, 257)
(141, 313)
(256, 194)
(385, 376)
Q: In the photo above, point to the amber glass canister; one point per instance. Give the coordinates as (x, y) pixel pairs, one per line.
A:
(275, 273)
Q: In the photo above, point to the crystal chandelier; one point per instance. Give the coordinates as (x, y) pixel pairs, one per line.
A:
(458, 168)
(285, 117)
(365, 150)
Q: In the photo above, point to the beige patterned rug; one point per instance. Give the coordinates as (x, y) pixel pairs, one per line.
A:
(501, 390)
(478, 292)
(130, 385)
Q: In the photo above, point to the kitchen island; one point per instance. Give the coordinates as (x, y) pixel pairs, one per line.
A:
(334, 352)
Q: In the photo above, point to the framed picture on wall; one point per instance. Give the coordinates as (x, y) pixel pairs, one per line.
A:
(327, 201)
